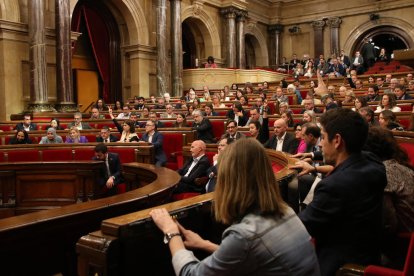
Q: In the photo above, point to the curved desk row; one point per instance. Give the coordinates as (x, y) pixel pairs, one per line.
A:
(43, 243)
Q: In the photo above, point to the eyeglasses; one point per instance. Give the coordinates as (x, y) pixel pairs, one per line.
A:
(230, 127)
(77, 118)
(149, 125)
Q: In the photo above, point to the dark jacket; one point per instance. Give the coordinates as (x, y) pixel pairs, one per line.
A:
(345, 216)
(187, 183)
(242, 120)
(112, 138)
(32, 126)
(157, 141)
(204, 131)
(290, 143)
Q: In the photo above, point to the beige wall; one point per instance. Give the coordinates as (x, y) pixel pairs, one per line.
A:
(137, 25)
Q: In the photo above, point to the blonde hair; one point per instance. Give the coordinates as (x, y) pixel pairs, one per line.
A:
(246, 183)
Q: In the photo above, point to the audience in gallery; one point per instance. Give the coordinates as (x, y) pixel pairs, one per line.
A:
(287, 116)
(190, 109)
(368, 114)
(238, 114)
(51, 137)
(154, 117)
(21, 137)
(55, 123)
(401, 93)
(216, 102)
(180, 121)
(349, 98)
(309, 117)
(259, 224)
(210, 63)
(387, 120)
(209, 110)
(118, 107)
(74, 136)
(388, 102)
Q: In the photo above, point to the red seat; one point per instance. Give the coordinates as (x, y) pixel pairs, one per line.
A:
(57, 155)
(184, 196)
(218, 128)
(26, 155)
(409, 148)
(84, 154)
(126, 155)
(408, 270)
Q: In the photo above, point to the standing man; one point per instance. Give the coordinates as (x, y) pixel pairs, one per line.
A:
(368, 53)
(156, 139)
(194, 168)
(345, 216)
(110, 175)
(282, 140)
(26, 124)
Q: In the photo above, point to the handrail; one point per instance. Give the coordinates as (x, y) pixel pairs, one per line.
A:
(89, 106)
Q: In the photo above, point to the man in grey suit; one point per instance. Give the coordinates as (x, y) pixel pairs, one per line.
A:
(282, 140)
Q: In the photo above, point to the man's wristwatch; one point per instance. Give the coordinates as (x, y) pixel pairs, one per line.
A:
(169, 236)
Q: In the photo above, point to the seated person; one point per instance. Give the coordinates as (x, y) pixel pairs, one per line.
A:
(125, 113)
(265, 236)
(155, 138)
(203, 127)
(180, 121)
(95, 115)
(78, 122)
(55, 123)
(209, 110)
(282, 140)
(127, 129)
(110, 174)
(26, 124)
(21, 137)
(232, 131)
(195, 167)
(51, 137)
(169, 112)
(212, 171)
(75, 137)
(106, 136)
(238, 114)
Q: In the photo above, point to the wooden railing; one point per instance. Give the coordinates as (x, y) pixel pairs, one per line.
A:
(43, 243)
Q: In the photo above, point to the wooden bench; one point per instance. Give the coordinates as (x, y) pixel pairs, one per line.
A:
(43, 243)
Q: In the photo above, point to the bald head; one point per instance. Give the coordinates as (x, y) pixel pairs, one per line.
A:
(198, 148)
(280, 127)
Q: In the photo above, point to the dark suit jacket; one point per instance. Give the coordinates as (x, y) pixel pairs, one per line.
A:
(199, 170)
(212, 181)
(157, 140)
(84, 125)
(239, 135)
(242, 120)
(32, 126)
(290, 143)
(345, 216)
(204, 131)
(112, 138)
(115, 169)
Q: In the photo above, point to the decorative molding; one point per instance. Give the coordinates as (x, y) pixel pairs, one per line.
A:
(197, 7)
(251, 25)
(278, 28)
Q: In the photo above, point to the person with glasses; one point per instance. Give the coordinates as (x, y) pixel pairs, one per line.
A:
(156, 139)
(169, 112)
(106, 136)
(299, 136)
(78, 122)
(232, 131)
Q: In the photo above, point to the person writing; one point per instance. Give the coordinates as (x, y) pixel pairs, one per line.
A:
(265, 236)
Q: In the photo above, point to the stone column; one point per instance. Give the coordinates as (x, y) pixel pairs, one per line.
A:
(64, 58)
(230, 44)
(334, 23)
(162, 84)
(241, 50)
(176, 48)
(318, 37)
(39, 101)
(275, 31)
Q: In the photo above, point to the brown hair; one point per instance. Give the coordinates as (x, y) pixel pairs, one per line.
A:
(246, 183)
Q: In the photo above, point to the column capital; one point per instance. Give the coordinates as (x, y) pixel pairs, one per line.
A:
(278, 28)
(318, 25)
(241, 15)
(334, 22)
(229, 12)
